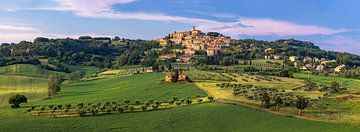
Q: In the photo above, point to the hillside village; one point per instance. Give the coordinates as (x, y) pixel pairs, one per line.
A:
(212, 43)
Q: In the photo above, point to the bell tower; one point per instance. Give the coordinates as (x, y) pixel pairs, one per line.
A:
(193, 29)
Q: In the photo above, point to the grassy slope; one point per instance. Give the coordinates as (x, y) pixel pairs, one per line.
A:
(25, 70)
(33, 88)
(89, 70)
(29, 80)
(142, 87)
(204, 117)
(326, 80)
(345, 109)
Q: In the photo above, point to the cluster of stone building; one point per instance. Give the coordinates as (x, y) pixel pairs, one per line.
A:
(193, 41)
(310, 63)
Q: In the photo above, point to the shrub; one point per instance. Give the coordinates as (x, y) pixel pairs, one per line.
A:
(16, 100)
(143, 107)
(59, 106)
(51, 106)
(137, 102)
(157, 102)
(68, 106)
(94, 112)
(132, 108)
(178, 103)
(120, 109)
(147, 104)
(200, 100)
(42, 108)
(155, 106)
(188, 101)
(81, 112)
(80, 105)
(211, 99)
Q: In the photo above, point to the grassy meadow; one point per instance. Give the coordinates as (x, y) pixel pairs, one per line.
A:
(143, 87)
(26, 70)
(29, 80)
(34, 88)
(203, 117)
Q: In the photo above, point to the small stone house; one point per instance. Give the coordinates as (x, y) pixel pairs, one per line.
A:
(169, 77)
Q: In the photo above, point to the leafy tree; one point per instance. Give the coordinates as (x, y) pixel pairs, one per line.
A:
(278, 102)
(76, 76)
(16, 100)
(301, 103)
(157, 102)
(137, 102)
(178, 103)
(81, 112)
(143, 107)
(154, 106)
(200, 100)
(55, 81)
(211, 99)
(188, 101)
(120, 109)
(265, 100)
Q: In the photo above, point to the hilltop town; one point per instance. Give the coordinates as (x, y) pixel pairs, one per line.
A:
(194, 43)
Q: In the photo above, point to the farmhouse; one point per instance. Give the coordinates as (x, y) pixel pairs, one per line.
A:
(293, 58)
(170, 77)
(340, 69)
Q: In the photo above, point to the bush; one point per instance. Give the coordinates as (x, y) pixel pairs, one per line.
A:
(200, 100)
(154, 106)
(211, 99)
(16, 100)
(143, 107)
(81, 112)
(120, 109)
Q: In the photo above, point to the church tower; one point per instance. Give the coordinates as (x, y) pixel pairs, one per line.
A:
(194, 31)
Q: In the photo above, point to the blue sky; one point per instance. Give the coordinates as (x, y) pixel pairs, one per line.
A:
(331, 24)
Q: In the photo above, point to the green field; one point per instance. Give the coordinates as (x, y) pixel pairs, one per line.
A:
(144, 87)
(354, 84)
(34, 88)
(29, 80)
(203, 117)
(26, 70)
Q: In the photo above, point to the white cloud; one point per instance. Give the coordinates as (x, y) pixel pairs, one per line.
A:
(341, 43)
(254, 26)
(16, 33)
(243, 26)
(12, 33)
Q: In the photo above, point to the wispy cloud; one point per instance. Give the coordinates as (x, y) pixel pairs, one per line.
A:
(17, 33)
(341, 43)
(241, 26)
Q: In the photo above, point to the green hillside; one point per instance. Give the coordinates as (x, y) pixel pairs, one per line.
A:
(25, 70)
(142, 87)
